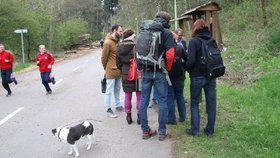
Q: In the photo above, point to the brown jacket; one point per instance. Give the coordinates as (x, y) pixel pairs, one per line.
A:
(109, 58)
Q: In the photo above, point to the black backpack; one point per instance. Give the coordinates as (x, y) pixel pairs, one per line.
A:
(148, 41)
(211, 61)
(177, 69)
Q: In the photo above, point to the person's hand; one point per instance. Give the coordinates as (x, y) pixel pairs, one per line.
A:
(49, 66)
(37, 62)
(6, 60)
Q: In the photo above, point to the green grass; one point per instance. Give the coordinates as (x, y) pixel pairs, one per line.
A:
(20, 67)
(248, 120)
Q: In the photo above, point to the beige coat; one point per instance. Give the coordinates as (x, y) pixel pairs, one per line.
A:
(109, 58)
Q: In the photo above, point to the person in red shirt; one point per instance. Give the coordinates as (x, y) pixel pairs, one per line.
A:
(45, 60)
(6, 66)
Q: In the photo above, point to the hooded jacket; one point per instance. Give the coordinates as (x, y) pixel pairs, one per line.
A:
(8, 64)
(194, 52)
(108, 58)
(125, 52)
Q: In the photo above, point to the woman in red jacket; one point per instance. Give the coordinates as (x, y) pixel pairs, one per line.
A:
(6, 66)
(45, 61)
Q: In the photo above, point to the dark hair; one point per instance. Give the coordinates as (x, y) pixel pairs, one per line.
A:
(164, 15)
(115, 27)
(127, 33)
(197, 26)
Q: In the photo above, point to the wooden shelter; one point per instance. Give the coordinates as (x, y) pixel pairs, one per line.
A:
(208, 12)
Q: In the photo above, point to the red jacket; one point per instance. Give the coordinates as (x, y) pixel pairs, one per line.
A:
(6, 60)
(44, 60)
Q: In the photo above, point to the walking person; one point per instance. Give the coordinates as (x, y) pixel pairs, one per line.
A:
(198, 81)
(45, 61)
(126, 53)
(6, 66)
(112, 73)
(154, 73)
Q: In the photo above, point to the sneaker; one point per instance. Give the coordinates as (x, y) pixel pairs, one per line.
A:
(14, 80)
(119, 108)
(111, 114)
(207, 133)
(53, 80)
(162, 137)
(190, 132)
(171, 123)
(49, 92)
(148, 134)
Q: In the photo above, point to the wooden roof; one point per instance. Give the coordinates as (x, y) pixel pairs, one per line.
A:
(210, 6)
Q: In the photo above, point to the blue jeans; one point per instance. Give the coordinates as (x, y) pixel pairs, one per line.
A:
(6, 79)
(45, 76)
(209, 86)
(113, 85)
(154, 98)
(176, 92)
(160, 84)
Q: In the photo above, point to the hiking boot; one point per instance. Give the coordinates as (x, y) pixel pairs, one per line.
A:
(49, 92)
(138, 119)
(14, 80)
(148, 134)
(128, 118)
(53, 80)
(111, 114)
(119, 108)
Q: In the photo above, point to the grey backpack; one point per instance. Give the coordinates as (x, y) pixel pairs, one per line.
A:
(148, 41)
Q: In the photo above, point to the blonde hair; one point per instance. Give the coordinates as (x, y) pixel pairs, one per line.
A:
(42, 46)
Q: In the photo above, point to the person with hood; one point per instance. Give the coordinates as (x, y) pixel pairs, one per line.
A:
(198, 82)
(112, 73)
(154, 75)
(45, 61)
(6, 66)
(126, 52)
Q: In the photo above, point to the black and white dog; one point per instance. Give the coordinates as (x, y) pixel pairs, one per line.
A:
(72, 134)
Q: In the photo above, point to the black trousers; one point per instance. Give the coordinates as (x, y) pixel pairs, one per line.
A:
(6, 79)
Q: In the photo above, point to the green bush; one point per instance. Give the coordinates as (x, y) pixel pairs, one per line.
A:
(69, 31)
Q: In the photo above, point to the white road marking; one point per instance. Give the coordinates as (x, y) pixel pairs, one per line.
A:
(76, 68)
(86, 61)
(11, 115)
(60, 80)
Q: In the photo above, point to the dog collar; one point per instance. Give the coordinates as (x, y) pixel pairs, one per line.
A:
(59, 134)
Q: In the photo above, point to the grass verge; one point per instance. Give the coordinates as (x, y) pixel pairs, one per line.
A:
(248, 120)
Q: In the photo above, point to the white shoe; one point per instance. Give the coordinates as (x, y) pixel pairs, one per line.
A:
(111, 114)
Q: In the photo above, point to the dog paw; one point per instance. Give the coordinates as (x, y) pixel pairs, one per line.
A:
(70, 153)
(77, 155)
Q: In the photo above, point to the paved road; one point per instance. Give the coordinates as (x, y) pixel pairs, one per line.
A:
(76, 96)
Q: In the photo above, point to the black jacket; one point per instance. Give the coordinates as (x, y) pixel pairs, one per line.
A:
(194, 53)
(124, 54)
(181, 53)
